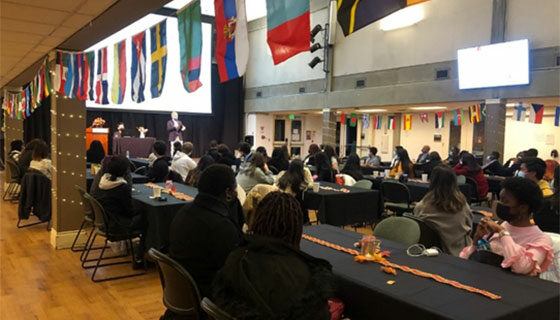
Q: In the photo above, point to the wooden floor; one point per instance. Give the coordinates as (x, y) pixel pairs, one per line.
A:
(39, 282)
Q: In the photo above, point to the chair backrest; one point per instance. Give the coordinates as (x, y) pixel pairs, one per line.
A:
(14, 169)
(363, 184)
(396, 192)
(429, 236)
(553, 272)
(174, 176)
(399, 229)
(474, 186)
(213, 311)
(180, 293)
(141, 170)
(461, 179)
(273, 169)
(99, 217)
(88, 211)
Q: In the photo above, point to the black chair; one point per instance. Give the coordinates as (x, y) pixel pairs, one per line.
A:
(429, 236)
(87, 219)
(180, 293)
(143, 170)
(213, 311)
(475, 199)
(35, 199)
(273, 169)
(102, 229)
(12, 191)
(396, 197)
(175, 177)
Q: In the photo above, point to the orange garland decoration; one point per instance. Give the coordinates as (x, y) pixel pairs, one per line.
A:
(407, 269)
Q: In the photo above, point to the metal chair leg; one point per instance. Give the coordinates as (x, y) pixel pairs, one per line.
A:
(76, 238)
(8, 191)
(114, 263)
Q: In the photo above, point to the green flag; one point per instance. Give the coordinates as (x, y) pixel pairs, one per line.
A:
(190, 41)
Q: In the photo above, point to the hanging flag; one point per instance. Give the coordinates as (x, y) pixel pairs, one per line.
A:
(232, 45)
(355, 14)
(77, 76)
(440, 119)
(536, 113)
(520, 112)
(288, 28)
(391, 125)
(407, 122)
(70, 74)
(365, 121)
(557, 117)
(138, 66)
(353, 120)
(59, 74)
(47, 86)
(377, 122)
(118, 87)
(474, 113)
(159, 57)
(424, 117)
(482, 111)
(342, 118)
(89, 74)
(458, 117)
(190, 41)
(101, 86)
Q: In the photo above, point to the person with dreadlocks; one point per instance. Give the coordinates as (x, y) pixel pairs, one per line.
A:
(268, 277)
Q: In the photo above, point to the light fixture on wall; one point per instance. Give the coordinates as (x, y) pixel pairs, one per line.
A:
(315, 47)
(318, 46)
(402, 18)
(318, 28)
(314, 62)
(429, 108)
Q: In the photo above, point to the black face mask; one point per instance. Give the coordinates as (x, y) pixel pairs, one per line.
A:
(504, 212)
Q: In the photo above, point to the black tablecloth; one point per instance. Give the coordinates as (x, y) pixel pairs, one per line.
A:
(367, 295)
(418, 189)
(136, 178)
(339, 208)
(139, 162)
(370, 170)
(159, 214)
(137, 147)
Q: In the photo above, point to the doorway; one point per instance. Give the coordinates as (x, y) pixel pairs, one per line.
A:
(454, 136)
(351, 138)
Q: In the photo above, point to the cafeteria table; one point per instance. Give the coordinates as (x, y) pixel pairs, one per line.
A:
(367, 294)
(136, 147)
(139, 162)
(417, 188)
(339, 208)
(136, 178)
(159, 214)
(369, 170)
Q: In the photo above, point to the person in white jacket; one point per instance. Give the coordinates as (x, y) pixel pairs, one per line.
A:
(40, 161)
(182, 162)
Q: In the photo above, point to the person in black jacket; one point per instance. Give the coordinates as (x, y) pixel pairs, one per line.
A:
(353, 167)
(324, 168)
(226, 157)
(96, 153)
(268, 277)
(280, 160)
(26, 156)
(434, 160)
(160, 168)
(213, 150)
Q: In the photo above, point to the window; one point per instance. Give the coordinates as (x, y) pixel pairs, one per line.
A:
(279, 127)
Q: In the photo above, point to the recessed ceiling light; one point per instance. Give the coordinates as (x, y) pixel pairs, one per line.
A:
(429, 108)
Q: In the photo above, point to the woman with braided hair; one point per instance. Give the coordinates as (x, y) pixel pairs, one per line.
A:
(268, 277)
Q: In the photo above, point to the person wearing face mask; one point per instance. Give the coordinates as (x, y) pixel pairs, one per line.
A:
(534, 169)
(395, 155)
(204, 232)
(524, 247)
(454, 157)
(493, 165)
(512, 165)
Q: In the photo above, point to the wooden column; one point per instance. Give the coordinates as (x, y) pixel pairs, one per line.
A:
(494, 126)
(68, 124)
(329, 127)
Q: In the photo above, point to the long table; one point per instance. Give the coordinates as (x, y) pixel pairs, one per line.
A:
(136, 178)
(417, 189)
(367, 294)
(339, 208)
(136, 147)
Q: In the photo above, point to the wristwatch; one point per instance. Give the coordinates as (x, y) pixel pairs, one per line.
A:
(504, 233)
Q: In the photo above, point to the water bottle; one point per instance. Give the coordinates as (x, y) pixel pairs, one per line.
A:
(127, 154)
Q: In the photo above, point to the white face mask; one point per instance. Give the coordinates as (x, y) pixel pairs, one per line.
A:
(521, 174)
(489, 158)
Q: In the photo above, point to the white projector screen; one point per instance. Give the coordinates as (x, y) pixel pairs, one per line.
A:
(174, 97)
(501, 64)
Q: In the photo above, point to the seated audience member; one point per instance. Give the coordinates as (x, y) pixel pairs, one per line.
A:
(213, 150)
(532, 153)
(182, 162)
(329, 151)
(353, 167)
(551, 165)
(286, 152)
(245, 150)
(512, 166)
(114, 194)
(310, 158)
(295, 181)
(454, 157)
(202, 234)
(445, 208)
(423, 156)
(554, 155)
(434, 160)
(403, 165)
(176, 148)
(548, 218)
(15, 150)
(256, 172)
(533, 169)
(262, 150)
(160, 168)
(470, 169)
(285, 282)
(194, 175)
(324, 168)
(524, 247)
(395, 155)
(279, 160)
(97, 178)
(40, 160)
(26, 155)
(373, 160)
(493, 165)
(225, 156)
(95, 153)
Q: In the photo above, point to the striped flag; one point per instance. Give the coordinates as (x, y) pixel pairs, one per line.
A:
(101, 86)
(536, 113)
(118, 85)
(59, 74)
(158, 39)
(89, 80)
(474, 113)
(365, 121)
(232, 45)
(391, 125)
(190, 41)
(482, 111)
(288, 28)
(342, 118)
(407, 122)
(377, 122)
(47, 79)
(520, 112)
(458, 117)
(138, 67)
(557, 117)
(69, 84)
(424, 117)
(78, 76)
(440, 119)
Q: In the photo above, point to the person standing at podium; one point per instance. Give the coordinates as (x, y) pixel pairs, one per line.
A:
(175, 128)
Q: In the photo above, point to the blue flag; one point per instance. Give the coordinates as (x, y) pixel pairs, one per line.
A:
(69, 84)
(557, 117)
(158, 56)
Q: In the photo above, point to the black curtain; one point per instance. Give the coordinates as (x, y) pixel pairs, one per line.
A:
(38, 125)
(223, 125)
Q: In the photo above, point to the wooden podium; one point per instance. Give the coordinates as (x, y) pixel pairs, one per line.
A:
(101, 134)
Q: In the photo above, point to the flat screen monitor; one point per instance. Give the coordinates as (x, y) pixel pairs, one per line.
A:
(496, 65)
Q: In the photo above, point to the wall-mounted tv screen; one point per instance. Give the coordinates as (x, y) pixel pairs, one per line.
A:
(495, 65)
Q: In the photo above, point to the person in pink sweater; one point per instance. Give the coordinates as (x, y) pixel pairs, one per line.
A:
(525, 248)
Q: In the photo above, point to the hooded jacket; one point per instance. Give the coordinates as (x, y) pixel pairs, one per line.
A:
(116, 199)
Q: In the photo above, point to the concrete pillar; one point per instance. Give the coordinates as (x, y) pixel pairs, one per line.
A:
(397, 131)
(494, 126)
(329, 127)
(68, 124)
(499, 10)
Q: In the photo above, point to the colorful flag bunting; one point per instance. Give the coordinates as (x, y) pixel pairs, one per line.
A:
(190, 41)
(440, 119)
(118, 86)
(458, 117)
(69, 84)
(78, 76)
(158, 39)
(482, 111)
(288, 28)
(474, 113)
(377, 122)
(101, 86)
(557, 117)
(138, 66)
(407, 122)
(232, 45)
(342, 118)
(47, 79)
(353, 120)
(520, 112)
(391, 125)
(424, 117)
(365, 121)
(59, 74)
(536, 113)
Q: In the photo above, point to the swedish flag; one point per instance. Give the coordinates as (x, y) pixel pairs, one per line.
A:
(356, 14)
(158, 56)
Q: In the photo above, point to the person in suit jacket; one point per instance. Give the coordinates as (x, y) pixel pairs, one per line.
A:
(175, 129)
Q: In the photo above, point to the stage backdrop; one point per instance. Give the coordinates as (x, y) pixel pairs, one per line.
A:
(223, 125)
